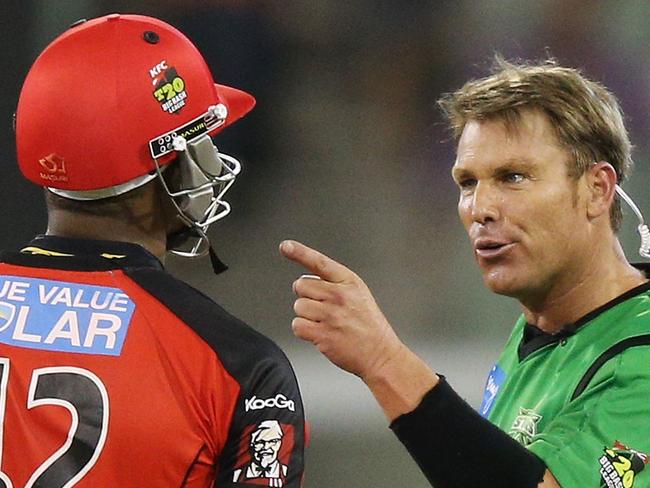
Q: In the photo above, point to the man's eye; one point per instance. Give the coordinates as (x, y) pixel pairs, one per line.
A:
(467, 184)
(514, 177)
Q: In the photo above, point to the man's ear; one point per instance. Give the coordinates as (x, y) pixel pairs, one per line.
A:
(601, 182)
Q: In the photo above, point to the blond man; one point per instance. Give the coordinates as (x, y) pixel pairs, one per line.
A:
(540, 152)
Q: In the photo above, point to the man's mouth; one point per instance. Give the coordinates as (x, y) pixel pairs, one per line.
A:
(491, 249)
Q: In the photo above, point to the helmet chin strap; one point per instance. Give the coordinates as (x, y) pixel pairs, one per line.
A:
(642, 228)
(178, 239)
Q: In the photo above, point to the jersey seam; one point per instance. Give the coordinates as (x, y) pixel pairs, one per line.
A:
(196, 334)
(568, 445)
(629, 341)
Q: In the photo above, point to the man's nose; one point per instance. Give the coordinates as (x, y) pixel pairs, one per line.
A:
(485, 203)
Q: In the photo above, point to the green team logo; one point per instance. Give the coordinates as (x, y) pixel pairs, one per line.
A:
(620, 465)
(524, 428)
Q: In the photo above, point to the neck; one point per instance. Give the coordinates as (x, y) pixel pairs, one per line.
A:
(604, 276)
(147, 234)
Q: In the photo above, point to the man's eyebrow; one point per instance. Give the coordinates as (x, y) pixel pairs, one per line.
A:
(459, 172)
(518, 163)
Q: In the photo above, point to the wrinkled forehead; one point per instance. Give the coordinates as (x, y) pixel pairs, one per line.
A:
(519, 122)
(529, 129)
(530, 137)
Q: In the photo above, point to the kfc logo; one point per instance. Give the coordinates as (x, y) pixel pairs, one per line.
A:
(156, 70)
(264, 456)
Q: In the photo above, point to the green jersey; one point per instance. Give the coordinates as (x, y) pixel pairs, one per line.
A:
(580, 399)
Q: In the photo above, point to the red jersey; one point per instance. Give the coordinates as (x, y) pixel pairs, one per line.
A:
(115, 374)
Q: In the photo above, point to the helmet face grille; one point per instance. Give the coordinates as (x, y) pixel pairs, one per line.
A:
(204, 175)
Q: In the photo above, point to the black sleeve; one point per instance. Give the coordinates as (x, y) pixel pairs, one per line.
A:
(457, 448)
(267, 433)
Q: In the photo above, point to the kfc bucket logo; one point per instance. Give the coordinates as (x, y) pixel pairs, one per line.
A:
(264, 455)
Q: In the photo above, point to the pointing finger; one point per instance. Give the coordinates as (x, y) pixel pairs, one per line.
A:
(315, 262)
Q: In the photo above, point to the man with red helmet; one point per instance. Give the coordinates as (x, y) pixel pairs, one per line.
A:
(112, 372)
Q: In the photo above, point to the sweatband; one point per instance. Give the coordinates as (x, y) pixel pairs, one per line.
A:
(457, 448)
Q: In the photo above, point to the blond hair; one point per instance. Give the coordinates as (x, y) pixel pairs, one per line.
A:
(586, 117)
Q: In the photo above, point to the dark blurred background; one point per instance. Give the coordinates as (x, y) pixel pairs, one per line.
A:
(347, 152)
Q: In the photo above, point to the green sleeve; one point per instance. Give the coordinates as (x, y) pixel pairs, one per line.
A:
(584, 445)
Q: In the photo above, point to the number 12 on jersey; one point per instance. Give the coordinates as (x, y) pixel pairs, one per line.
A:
(84, 395)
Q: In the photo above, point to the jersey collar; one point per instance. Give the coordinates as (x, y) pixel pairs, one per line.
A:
(533, 339)
(80, 254)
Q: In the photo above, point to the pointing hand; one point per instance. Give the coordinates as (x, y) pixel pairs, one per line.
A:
(336, 312)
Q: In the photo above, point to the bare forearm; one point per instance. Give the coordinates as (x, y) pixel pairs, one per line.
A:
(549, 481)
(400, 383)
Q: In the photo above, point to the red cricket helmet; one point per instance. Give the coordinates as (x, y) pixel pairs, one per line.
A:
(100, 103)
